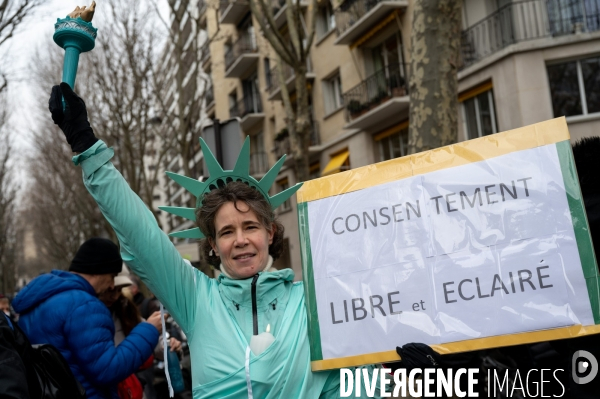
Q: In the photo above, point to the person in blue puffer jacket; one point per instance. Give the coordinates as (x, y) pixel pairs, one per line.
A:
(62, 309)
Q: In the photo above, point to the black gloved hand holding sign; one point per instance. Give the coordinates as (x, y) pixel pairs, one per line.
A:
(74, 121)
(415, 355)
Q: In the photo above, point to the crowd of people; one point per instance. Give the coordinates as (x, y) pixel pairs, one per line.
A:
(108, 332)
(88, 313)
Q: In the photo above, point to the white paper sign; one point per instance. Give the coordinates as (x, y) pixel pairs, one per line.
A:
(473, 251)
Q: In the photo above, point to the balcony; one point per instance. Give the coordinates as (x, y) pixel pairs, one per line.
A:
(354, 18)
(381, 97)
(282, 141)
(279, 7)
(289, 75)
(232, 11)
(259, 163)
(527, 20)
(249, 110)
(242, 56)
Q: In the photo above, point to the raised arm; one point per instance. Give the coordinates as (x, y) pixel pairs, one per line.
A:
(144, 247)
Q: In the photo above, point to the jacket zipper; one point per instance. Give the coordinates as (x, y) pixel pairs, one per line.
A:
(254, 305)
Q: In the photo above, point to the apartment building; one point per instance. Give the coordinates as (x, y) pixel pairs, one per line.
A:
(528, 61)
(166, 191)
(522, 62)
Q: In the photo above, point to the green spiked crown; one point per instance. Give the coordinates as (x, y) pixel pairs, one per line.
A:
(219, 178)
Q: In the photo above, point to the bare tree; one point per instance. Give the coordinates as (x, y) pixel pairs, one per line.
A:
(181, 81)
(116, 82)
(8, 206)
(181, 86)
(12, 14)
(64, 214)
(435, 45)
(292, 50)
(60, 211)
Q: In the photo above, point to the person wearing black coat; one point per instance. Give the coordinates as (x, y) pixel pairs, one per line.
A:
(16, 370)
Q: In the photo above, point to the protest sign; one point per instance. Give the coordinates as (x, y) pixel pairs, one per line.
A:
(479, 244)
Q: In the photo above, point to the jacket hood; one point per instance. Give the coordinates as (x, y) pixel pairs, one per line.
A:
(48, 285)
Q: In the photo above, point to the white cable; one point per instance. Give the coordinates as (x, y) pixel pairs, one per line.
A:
(248, 380)
(164, 338)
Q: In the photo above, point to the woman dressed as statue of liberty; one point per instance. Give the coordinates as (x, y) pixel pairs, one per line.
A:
(247, 329)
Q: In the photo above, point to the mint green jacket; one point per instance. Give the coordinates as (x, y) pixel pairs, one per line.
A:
(215, 314)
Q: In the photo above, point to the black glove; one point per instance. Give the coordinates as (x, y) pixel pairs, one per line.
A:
(416, 355)
(74, 121)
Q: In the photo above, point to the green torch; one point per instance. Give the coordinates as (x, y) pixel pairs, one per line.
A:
(76, 35)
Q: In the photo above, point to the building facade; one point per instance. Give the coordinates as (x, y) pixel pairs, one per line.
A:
(522, 62)
(186, 92)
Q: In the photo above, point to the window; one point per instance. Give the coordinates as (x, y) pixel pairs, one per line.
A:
(573, 16)
(283, 185)
(387, 56)
(325, 20)
(252, 104)
(246, 33)
(259, 164)
(268, 77)
(332, 92)
(393, 143)
(478, 111)
(575, 87)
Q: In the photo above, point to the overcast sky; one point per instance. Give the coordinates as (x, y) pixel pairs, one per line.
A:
(16, 55)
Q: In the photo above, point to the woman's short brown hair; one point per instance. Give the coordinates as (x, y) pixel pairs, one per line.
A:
(234, 192)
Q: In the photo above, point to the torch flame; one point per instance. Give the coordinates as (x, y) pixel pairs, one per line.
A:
(84, 13)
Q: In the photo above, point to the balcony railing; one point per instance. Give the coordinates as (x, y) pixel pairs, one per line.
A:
(246, 44)
(273, 80)
(247, 105)
(528, 20)
(259, 163)
(351, 11)
(375, 90)
(573, 16)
